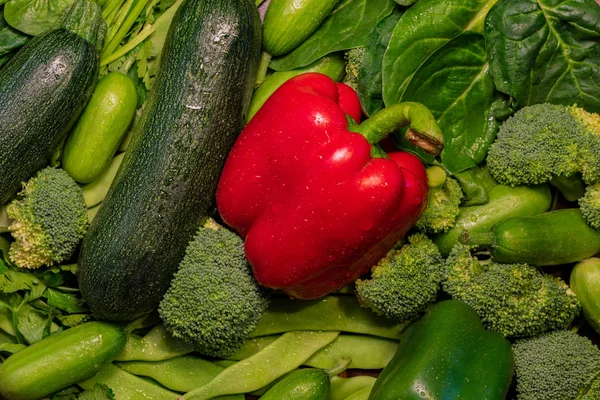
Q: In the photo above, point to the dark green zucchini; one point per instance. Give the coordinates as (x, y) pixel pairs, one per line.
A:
(167, 182)
(43, 89)
(552, 238)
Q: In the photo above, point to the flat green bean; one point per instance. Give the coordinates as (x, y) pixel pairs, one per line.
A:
(180, 374)
(361, 394)
(329, 313)
(157, 345)
(127, 386)
(283, 355)
(343, 388)
(364, 352)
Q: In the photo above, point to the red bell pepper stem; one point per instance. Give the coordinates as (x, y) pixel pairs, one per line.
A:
(423, 130)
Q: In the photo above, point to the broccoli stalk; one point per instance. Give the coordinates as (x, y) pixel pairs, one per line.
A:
(560, 365)
(443, 202)
(515, 300)
(213, 301)
(405, 282)
(47, 221)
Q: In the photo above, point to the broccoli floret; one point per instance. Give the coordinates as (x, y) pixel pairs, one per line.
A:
(515, 300)
(559, 365)
(354, 59)
(213, 301)
(405, 282)
(48, 220)
(443, 202)
(544, 141)
(589, 205)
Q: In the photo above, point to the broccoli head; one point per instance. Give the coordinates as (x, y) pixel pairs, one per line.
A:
(515, 300)
(213, 301)
(354, 59)
(545, 141)
(589, 205)
(48, 220)
(405, 282)
(445, 195)
(559, 365)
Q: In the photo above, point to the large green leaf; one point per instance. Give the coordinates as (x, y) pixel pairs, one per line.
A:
(10, 39)
(424, 28)
(35, 17)
(370, 90)
(346, 27)
(546, 51)
(455, 84)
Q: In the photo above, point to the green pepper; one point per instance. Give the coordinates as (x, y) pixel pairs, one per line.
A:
(476, 184)
(448, 355)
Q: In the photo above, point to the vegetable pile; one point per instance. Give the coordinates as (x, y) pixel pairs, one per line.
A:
(316, 200)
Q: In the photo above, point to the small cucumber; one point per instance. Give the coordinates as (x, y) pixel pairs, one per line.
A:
(332, 65)
(585, 282)
(96, 138)
(303, 384)
(289, 22)
(503, 202)
(552, 238)
(60, 360)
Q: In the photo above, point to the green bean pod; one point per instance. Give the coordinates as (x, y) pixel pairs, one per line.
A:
(303, 384)
(265, 366)
(329, 313)
(157, 345)
(344, 388)
(553, 238)
(127, 386)
(503, 202)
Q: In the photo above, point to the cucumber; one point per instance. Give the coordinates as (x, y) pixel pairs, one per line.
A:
(303, 384)
(585, 282)
(552, 238)
(332, 65)
(43, 89)
(91, 146)
(60, 360)
(289, 22)
(503, 202)
(167, 182)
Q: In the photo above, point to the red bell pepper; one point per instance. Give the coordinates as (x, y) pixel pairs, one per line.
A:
(317, 210)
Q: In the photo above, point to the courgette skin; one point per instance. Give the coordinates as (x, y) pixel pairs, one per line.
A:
(60, 360)
(43, 89)
(167, 182)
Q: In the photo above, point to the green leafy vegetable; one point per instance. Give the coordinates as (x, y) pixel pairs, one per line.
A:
(546, 51)
(68, 302)
(35, 17)
(345, 28)
(370, 86)
(455, 84)
(10, 39)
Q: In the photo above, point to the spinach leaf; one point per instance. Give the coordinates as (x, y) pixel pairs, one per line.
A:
(424, 28)
(10, 39)
(346, 27)
(455, 84)
(370, 91)
(546, 51)
(35, 17)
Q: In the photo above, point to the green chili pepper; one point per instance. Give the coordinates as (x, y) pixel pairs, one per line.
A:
(476, 184)
(265, 366)
(448, 355)
(329, 313)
